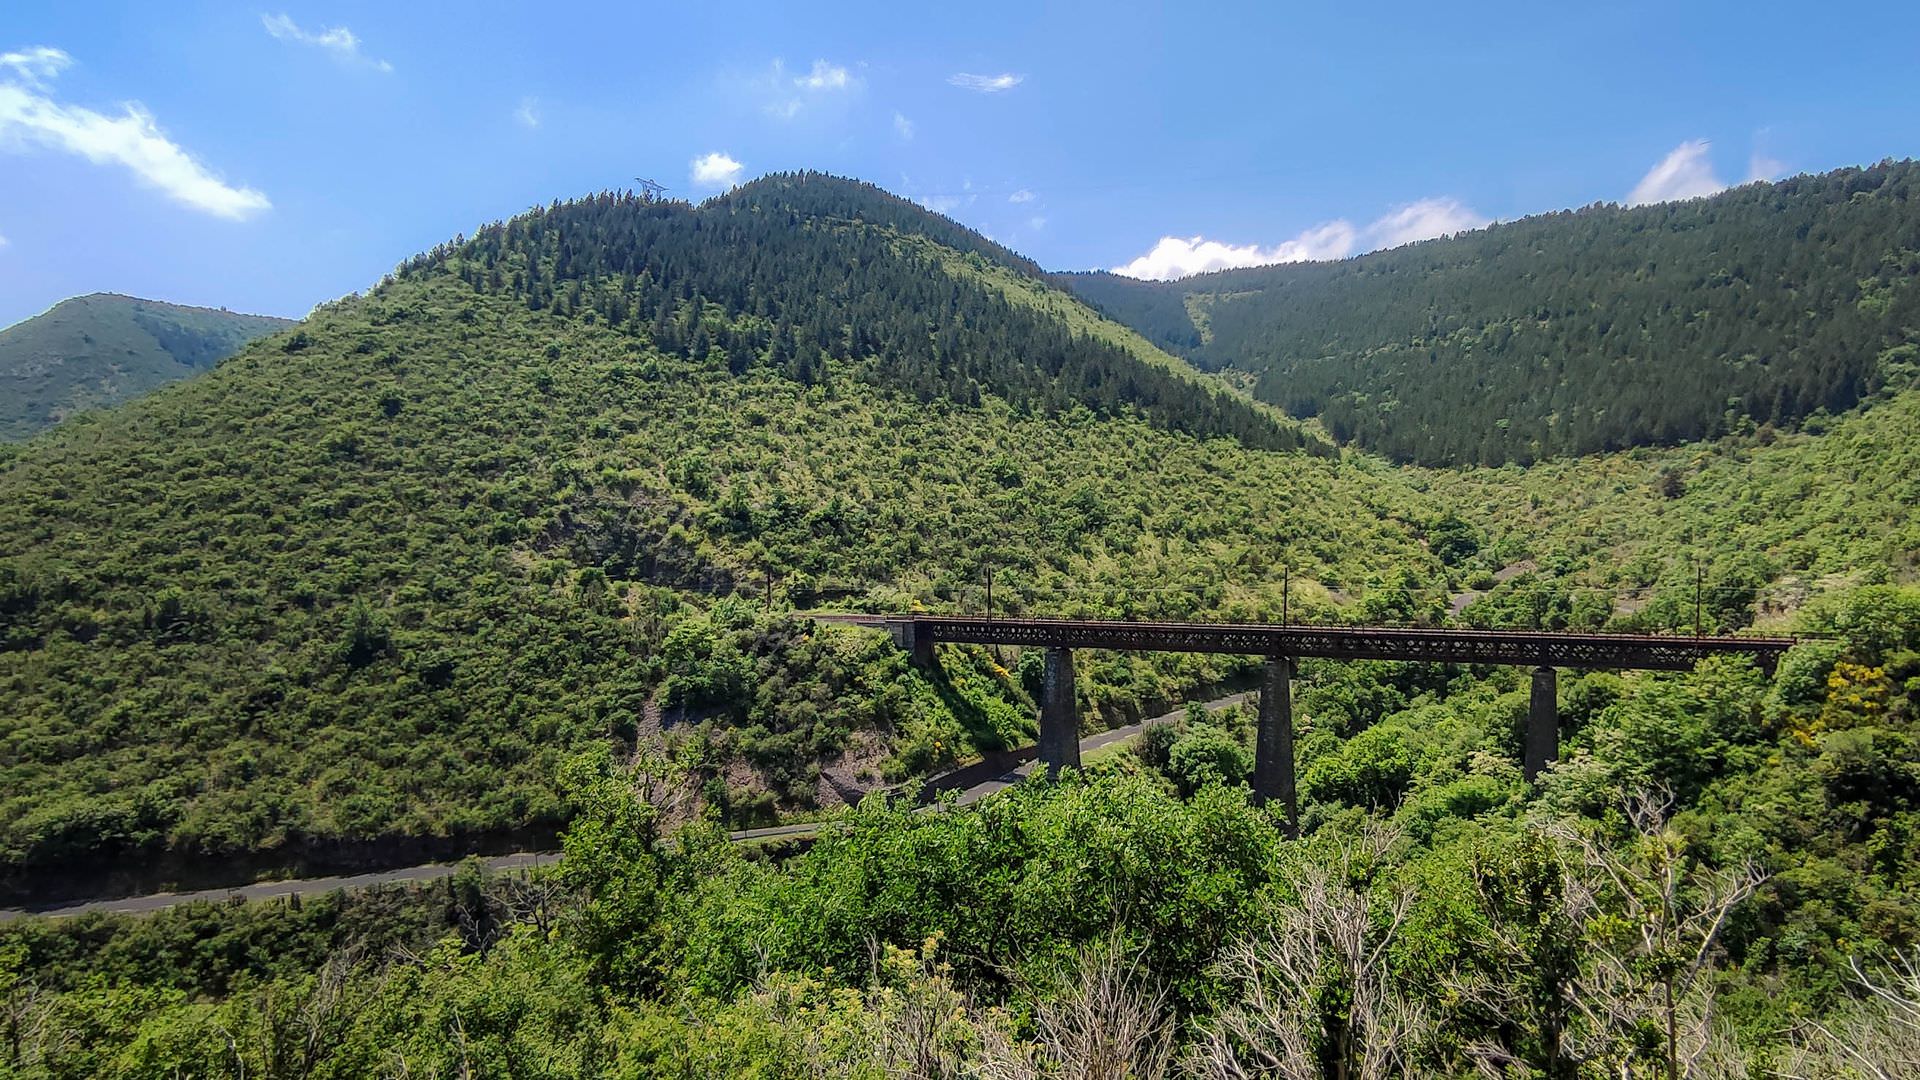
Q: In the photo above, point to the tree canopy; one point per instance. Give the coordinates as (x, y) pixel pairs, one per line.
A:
(1574, 332)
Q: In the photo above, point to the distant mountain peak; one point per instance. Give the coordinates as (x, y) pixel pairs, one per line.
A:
(805, 271)
(103, 348)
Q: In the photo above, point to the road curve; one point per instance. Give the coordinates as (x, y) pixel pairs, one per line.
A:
(317, 886)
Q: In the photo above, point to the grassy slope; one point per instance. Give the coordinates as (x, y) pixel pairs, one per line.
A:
(97, 350)
(381, 584)
(1801, 514)
(339, 592)
(1053, 300)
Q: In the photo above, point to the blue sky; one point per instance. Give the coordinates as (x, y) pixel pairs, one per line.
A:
(266, 158)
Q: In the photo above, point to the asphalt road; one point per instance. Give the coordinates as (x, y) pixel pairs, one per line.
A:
(267, 890)
(318, 886)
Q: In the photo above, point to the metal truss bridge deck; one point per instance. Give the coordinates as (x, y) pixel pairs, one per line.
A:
(1659, 652)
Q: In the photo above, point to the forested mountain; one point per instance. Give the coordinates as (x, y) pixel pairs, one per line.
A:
(100, 349)
(371, 580)
(1574, 332)
(514, 543)
(795, 268)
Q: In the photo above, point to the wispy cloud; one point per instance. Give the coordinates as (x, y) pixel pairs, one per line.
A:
(1762, 167)
(1423, 220)
(1021, 196)
(948, 202)
(338, 40)
(31, 117)
(1686, 173)
(528, 114)
(715, 170)
(824, 76)
(1178, 257)
(3, 240)
(986, 84)
(36, 66)
(902, 126)
(1036, 222)
(790, 95)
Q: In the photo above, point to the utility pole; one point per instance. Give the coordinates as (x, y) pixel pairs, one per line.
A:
(1699, 582)
(769, 590)
(989, 590)
(1286, 594)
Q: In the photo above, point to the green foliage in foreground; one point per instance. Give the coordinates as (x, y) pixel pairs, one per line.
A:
(1691, 887)
(94, 351)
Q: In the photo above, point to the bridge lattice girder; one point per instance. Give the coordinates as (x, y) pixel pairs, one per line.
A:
(1529, 648)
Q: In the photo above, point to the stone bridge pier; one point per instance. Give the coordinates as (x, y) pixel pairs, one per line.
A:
(908, 638)
(1542, 740)
(1059, 715)
(1273, 780)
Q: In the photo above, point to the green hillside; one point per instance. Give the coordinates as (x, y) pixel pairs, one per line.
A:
(1767, 523)
(365, 585)
(515, 543)
(1576, 332)
(97, 350)
(373, 580)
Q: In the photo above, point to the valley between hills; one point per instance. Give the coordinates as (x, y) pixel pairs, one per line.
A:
(514, 548)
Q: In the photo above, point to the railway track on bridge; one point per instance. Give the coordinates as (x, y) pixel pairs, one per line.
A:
(1661, 652)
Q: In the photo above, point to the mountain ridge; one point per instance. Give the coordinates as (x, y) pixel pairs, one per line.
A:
(370, 581)
(1577, 331)
(610, 251)
(102, 348)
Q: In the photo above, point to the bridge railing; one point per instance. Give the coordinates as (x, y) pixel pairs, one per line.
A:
(1703, 611)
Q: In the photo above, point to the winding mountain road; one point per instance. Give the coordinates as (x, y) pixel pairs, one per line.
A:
(317, 886)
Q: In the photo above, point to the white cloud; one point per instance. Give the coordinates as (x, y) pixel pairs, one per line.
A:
(338, 40)
(790, 95)
(1333, 240)
(1683, 174)
(1037, 222)
(29, 117)
(528, 114)
(715, 170)
(824, 76)
(1423, 220)
(902, 126)
(986, 84)
(1177, 257)
(36, 66)
(948, 202)
(1021, 196)
(1762, 167)
(4, 241)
